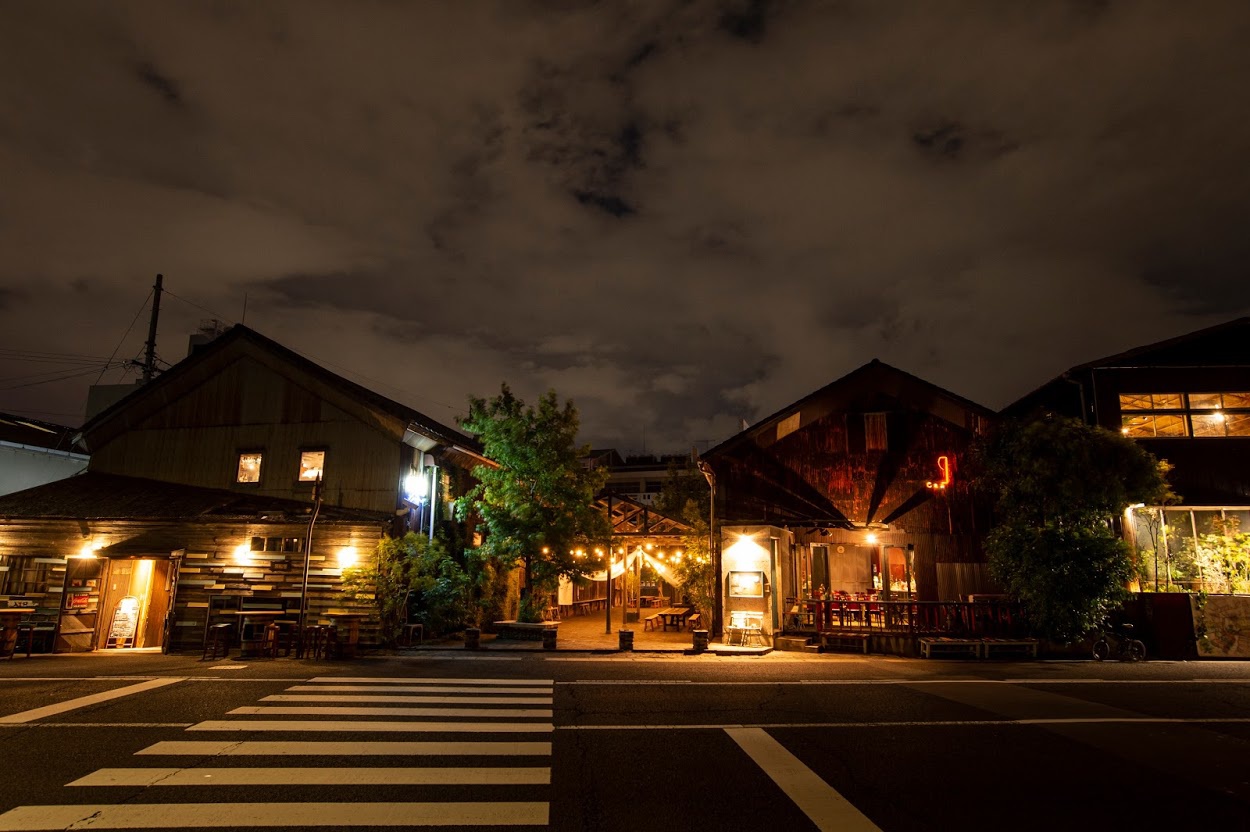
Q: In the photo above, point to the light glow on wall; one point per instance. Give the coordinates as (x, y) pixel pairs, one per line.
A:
(746, 553)
(347, 557)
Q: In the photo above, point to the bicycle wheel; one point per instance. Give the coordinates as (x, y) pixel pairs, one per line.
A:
(1102, 650)
(1136, 651)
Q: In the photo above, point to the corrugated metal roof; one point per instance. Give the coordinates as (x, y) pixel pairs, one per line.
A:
(97, 496)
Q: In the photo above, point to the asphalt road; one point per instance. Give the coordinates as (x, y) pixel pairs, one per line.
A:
(597, 742)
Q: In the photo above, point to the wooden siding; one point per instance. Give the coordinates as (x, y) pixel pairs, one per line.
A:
(822, 474)
(209, 568)
(195, 440)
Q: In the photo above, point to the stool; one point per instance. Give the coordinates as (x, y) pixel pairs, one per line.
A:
(311, 642)
(269, 642)
(330, 646)
(217, 638)
(287, 641)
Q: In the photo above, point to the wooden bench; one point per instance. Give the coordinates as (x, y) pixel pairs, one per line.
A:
(692, 622)
(855, 642)
(991, 647)
(930, 647)
(648, 623)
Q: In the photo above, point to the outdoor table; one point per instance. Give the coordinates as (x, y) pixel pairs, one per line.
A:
(673, 616)
(253, 619)
(348, 640)
(10, 617)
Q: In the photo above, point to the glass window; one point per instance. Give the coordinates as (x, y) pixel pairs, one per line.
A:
(1237, 400)
(1135, 401)
(1208, 424)
(311, 465)
(1138, 426)
(1167, 401)
(1237, 424)
(249, 467)
(1208, 401)
(1169, 425)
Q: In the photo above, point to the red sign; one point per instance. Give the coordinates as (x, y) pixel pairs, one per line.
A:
(78, 601)
(944, 465)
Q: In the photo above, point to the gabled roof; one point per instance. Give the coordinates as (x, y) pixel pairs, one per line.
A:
(25, 431)
(96, 496)
(240, 337)
(1222, 344)
(858, 375)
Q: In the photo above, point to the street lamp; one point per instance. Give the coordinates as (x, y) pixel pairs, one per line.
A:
(717, 601)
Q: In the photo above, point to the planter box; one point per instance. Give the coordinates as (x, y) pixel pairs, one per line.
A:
(523, 631)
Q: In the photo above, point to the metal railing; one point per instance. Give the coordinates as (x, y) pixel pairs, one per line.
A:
(976, 618)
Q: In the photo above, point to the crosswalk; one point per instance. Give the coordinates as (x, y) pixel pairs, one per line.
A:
(514, 762)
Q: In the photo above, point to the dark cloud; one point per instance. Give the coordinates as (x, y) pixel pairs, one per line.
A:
(158, 83)
(680, 213)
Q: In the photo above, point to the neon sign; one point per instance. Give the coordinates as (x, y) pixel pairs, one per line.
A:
(944, 465)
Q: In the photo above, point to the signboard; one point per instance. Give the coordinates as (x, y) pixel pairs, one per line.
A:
(77, 600)
(125, 621)
(746, 584)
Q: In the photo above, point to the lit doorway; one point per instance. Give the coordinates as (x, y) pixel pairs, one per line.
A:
(134, 604)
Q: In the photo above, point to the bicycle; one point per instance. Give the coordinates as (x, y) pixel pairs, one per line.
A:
(1119, 645)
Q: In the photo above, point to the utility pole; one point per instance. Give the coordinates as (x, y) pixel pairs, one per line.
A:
(717, 587)
(149, 354)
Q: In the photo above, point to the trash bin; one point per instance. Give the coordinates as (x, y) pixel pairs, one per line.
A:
(472, 638)
(700, 640)
(549, 638)
(626, 640)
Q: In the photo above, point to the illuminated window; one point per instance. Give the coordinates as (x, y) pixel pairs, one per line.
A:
(311, 465)
(1149, 415)
(875, 438)
(249, 467)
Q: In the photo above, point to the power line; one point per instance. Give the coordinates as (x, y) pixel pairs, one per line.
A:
(216, 315)
(123, 340)
(65, 377)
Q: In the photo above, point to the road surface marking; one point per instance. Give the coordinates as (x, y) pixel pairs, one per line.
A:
(315, 710)
(96, 725)
(419, 689)
(429, 700)
(364, 726)
(244, 815)
(488, 776)
(432, 681)
(821, 802)
(85, 701)
(945, 723)
(850, 682)
(230, 748)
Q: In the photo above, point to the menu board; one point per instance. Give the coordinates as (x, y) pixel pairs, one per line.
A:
(746, 584)
(125, 621)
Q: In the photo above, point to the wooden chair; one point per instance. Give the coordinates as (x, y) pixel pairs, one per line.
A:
(217, 638)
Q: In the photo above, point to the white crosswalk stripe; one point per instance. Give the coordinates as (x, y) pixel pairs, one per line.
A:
(477, 708)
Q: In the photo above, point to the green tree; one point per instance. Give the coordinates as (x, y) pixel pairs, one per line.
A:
(1057, 485)
(419, 572)
(538, 505)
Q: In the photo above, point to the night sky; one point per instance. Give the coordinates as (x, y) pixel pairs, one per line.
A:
(680, 214)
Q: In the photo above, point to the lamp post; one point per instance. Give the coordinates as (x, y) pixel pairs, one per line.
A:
(713, 553)
(303, 587)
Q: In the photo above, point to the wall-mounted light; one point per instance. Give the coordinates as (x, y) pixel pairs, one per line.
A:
(871, 538)
(416, 487)
(89, 549)
(243, 553)
(347, 557)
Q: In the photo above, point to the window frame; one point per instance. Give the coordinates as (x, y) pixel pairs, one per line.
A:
(1187, 412)
(299, 466)
(238, 466)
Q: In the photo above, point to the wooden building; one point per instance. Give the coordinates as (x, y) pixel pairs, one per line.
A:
(856, 488)
(200, 495)
(1187, 401)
